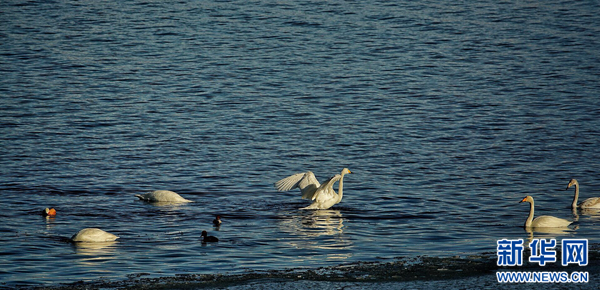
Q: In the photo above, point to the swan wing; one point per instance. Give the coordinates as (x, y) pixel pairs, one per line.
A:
(307, 182)
(93, 235)
(549, 222)
(162, 196)
(593, 202)
(325, 192)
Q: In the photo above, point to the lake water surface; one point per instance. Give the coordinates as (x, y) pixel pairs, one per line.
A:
(447, 112)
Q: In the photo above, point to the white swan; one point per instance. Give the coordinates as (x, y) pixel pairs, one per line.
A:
(323, 194)
(592, 202)
(93, 235)
(162, 196)
(544, 221)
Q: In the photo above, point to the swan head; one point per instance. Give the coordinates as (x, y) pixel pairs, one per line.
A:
(527, 199)
(346, 171)
(49, 212)
(571, 183)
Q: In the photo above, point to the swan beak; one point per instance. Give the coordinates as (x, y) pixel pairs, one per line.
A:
(524, 200)
(349, 171)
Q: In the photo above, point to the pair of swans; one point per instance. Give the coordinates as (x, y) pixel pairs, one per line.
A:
(323, 195)
(97, 235)
(554, 222)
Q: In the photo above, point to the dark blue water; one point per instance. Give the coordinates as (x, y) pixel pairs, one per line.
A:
(447, 113)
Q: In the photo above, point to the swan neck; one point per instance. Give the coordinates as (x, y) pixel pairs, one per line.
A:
(341, 188)
(530, 217)
(574, 204)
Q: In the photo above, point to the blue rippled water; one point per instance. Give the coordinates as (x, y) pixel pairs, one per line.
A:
(447, 113)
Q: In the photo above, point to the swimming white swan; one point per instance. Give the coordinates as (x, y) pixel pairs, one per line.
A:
(162, 196)
(544, 221)
(93, 235)
(592, 202)
(323, 194)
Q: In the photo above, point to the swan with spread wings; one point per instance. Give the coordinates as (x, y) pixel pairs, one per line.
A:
(323, 195)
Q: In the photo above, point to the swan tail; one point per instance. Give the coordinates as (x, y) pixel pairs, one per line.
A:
(315, 205)
(310, 207)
